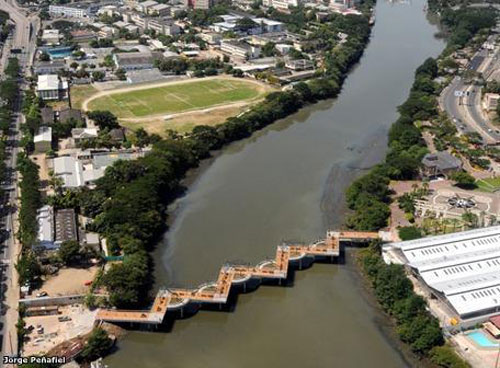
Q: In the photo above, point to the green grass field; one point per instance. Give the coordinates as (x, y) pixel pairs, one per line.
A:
(488, 185)
(176, 98)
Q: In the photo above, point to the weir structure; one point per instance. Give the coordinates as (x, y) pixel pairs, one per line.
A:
(217, 292)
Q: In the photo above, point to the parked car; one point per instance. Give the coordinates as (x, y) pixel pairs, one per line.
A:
(42, 294)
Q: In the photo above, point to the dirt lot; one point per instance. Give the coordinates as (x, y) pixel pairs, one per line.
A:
(185, 122)
(55, 332)
(69, 281)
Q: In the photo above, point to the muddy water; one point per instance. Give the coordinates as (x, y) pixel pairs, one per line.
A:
(286, 182)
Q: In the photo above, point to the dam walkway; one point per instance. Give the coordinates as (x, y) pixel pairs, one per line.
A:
(218, 292)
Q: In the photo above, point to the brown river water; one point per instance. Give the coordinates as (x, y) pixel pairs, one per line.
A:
(286, 182)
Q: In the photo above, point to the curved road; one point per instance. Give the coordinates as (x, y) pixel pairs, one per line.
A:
(466, 111)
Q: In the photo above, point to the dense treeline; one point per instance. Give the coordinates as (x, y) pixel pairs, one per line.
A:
(368, 196)
(415, 325)
(129, 202)
(9, 91)
(27, 266)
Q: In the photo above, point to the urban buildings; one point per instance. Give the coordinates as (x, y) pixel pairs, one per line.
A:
(74, 10)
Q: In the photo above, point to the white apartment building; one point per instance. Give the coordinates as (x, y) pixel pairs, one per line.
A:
(81, 10)
(281, 4)
(240, 49)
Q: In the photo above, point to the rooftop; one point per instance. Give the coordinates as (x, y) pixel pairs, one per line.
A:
(65, 224)
(464, 267)
(48, 82)
(442, 160)
(44, 134)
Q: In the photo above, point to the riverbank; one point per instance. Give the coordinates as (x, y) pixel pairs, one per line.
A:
(369, 195)
(269, 187)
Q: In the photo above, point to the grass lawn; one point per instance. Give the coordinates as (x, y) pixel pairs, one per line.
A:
(176, 98)
(79, 93)
(489, 184)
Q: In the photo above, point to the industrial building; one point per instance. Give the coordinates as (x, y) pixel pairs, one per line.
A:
(462, 269)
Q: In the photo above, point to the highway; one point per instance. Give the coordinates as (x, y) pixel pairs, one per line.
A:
(24, 38)
(466, 111)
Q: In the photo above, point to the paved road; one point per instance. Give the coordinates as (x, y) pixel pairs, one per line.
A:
(24, 38)
(466, 111)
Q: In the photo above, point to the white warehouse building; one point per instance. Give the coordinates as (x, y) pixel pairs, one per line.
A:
(462, 269)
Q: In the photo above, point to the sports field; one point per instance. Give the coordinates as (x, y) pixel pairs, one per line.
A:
(176, 97)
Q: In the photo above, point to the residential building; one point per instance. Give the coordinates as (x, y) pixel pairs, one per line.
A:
(109, 10)
(166, 27)
(117, 135)
(73, 173)
(491, 101)
(66, 114)
(65, 226)
(283, 48)
(199, 4)
(75, 10)
(240, 49)
(269, 25)
(299, 64)
(440, 163)
(51, 87)
(160, 10)
(49, 67)
(43, 139)
(45, 220)
(47, 115)
(175, 11)
(89, 166)
(106, 32)
(133, 60)
(460, 269)
(211, 38)
(281, 5)
(81, 134)
(51, 36)
(145, 6)
(82, 35)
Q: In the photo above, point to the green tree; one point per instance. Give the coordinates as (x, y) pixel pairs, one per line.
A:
(97, 346)
(44, 56)
(409, 233)
(28, 268)
(463, 179)
(98, 75)
(69, 252)
(104, 119)
(444, 356)
(121, 74)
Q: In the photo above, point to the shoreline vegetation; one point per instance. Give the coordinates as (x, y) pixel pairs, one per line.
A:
(129, 204)
(368, 196)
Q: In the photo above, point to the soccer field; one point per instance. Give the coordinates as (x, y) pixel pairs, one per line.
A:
(176, 98)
